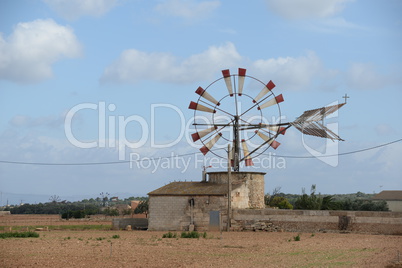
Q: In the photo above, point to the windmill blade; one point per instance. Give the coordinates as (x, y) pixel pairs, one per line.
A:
(316, 129)
(247, 159)
(242, 76)
(228, 81)
(199, 107)
(200, 91)
(277, 129)
(276, 100)
(318, 114)
(198, 135)
(207, 147)
(274, 144)
(264, 91)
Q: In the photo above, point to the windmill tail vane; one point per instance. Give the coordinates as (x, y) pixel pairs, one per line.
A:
(249, 138)
(309, 122)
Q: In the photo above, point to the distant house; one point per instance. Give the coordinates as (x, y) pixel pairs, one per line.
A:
(393, 199)
(180, 205)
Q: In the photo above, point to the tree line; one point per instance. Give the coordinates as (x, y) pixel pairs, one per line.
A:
(81, 209)
(313, 201)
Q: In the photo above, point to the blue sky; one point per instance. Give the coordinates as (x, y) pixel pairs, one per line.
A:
(143, 60)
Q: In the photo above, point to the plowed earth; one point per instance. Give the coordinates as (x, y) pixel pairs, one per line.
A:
(99, 248)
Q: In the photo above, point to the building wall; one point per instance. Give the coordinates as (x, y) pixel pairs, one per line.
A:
(247, 188)
(174, 213)
(395, 206)
(166, 212)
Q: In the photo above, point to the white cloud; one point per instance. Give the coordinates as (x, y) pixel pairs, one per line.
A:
(28, 53)
(188, 9)
(300, 9)
(134, 65)
(73, 9)
(290, 72)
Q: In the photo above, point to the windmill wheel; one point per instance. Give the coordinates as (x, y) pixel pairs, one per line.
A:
(251, 123)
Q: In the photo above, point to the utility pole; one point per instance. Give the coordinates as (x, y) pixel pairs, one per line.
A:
(229, 218)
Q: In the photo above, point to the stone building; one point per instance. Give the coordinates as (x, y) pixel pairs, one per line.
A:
(393, 199)
(180, 206)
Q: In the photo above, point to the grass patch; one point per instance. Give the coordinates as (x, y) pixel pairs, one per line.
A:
(193, 234)
(230, 246)
(80, 227)
(18, 235)
(99, 227)
(116, 236)
(169, 235)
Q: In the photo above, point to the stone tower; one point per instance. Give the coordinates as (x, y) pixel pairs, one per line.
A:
(247, 187)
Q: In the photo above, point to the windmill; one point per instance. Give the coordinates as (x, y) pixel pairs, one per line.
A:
(251, 123)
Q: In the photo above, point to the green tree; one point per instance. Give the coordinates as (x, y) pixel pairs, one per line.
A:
(311, 202)
(280, 202)
(328, 203)
(111, 212)
(142, 208)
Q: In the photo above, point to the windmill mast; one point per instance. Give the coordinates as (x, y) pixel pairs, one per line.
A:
(236, 134)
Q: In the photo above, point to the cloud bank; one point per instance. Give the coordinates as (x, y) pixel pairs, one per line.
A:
(27, 55)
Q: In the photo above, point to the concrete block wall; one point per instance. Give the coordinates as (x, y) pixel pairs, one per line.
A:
(173, 213)
(166, 212)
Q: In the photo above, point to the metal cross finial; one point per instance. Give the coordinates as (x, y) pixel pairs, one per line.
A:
(346, 97)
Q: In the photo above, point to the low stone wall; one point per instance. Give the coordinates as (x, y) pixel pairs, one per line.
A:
(317, 221)
(135, 223)
(3, 213)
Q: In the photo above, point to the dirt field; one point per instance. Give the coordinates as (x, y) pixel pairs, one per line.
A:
(50, 220)
(97, 248)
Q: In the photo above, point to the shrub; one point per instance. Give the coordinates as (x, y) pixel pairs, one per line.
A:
(193, 234)
(296, 238)
(18, 235)
(76, 214)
